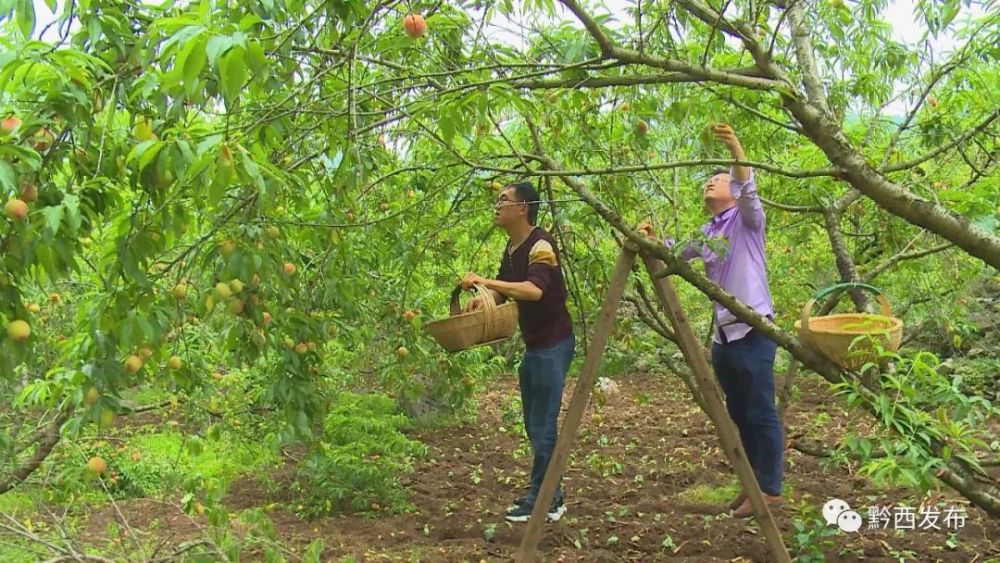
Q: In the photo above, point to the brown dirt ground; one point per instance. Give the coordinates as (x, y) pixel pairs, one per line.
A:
(667, 452)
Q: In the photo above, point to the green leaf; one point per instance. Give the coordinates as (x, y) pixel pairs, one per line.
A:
(72, 205)
(448, 124)
(26, 17)
(233, 74)
(7, 178)
(53, 217)
(140, 150)
(192, 60)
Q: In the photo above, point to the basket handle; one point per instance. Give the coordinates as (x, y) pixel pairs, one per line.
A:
(806, 312)
(456, 307)
(882, 301)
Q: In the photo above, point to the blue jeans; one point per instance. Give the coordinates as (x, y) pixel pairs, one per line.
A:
(542, 374)
(745, 369)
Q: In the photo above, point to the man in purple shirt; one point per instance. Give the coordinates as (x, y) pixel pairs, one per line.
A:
(743, 358)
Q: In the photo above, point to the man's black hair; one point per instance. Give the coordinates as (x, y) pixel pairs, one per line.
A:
(527, 193)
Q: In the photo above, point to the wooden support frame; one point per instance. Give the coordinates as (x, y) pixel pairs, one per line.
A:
(704, 378)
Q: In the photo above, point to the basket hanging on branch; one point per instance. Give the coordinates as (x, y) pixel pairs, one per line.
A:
(851, 340)
(461, 331)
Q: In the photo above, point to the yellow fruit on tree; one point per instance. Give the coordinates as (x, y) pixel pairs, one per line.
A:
(402, 352)
(34, 308)
(180, 291)
(97, 465)
(18, 330)
(133, 364)
(273, 232)
(91, 396)
(16, 209)
(227, 248)
(236, 286)
(175, 363)
(266, 318)
(146, 353)
(301, 348)
(236, 306)
(288, 269)
(289, 343)
(223, 290)
(107, 418)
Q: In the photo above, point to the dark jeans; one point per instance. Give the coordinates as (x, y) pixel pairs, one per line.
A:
(542, 374)
(745, 369)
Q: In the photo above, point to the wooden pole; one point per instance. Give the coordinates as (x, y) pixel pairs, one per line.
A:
(728, 435)
(581, 395)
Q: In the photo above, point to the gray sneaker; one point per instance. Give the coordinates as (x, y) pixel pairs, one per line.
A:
(522, 513)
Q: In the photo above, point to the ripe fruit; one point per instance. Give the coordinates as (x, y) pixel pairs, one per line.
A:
(54, 297)
(350, 217)
(16, 209)
(34, 308)
(29, 192)
(236, 306)
(414, 25)
(223, 290)
(409, 315)
(42, 140)
(9, 125)
(402, 352)
(496, 185)
(180, 291)
(623, 107)
(92, 396)
(267, 318)
(255, 281)
(174, 363)
(146, 353)
(18, 330)
(642, 127)
(236, 285)
(273, 232)
(133, 364)
(97, 465)
(288, 269)
(107, 417)
(227, 248)
(933, 101)
(301, 348)
(411, 194)
(289, 343)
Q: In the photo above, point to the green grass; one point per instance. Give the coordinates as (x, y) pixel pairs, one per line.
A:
(222, 459)
(704, 493)
(16, 502)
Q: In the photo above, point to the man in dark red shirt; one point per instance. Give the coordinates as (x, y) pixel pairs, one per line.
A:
(530, 273)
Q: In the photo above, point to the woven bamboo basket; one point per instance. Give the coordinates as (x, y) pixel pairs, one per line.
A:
(463, 331)
(849, 340)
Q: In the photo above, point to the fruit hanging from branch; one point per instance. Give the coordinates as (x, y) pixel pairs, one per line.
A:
(16, 209)
(414, 25)
(9, 125)
(29, 192)
(18, 330)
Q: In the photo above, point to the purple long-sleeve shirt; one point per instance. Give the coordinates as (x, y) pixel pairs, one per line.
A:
(743, 270)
